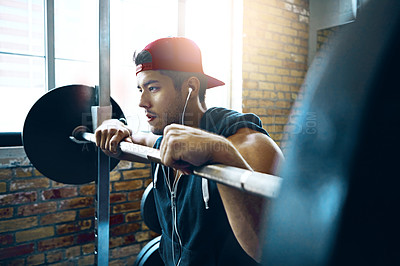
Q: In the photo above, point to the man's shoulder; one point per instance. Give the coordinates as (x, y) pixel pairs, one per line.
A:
(226, 122)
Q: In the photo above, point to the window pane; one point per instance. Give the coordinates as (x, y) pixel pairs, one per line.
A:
(70, 72)
(76, 29)
(214, 40)
(22, 27)
(21, 84)
(134, 24)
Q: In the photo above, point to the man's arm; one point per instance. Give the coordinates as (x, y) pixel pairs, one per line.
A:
(247, 149)
(244, 210)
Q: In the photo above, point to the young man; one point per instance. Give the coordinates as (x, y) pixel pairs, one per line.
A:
(203, 223)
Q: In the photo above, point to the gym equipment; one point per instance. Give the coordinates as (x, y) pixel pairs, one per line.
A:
(66, 111)
(148, 210)
(339, 198)
(149, 255)
(47, 130)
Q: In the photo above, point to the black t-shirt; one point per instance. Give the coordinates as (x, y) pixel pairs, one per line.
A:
(204, 235)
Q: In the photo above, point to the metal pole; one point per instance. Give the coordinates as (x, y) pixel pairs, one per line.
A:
(100, 113)
(49, 24)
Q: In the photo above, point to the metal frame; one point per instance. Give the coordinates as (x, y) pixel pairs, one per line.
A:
(50, 55)
(99, 114)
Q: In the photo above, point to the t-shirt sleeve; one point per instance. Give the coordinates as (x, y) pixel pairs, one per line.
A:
(226, 122)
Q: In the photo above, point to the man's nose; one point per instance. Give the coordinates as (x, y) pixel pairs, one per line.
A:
(144, 101)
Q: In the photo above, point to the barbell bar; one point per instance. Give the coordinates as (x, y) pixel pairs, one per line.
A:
(251, 181)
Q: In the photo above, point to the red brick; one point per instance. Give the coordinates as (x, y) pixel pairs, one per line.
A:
(136, 173)
(58, 217)
(54, 256)
(6, 240)
(128, 185)
(73, 227)
(31, 183)
(153, 234)
(33, 234)
(6, 212)
(135, 195)
(143, 236)
(147, 182)
(58, 193)
(125, 251)
(133, 217)
(117, 197)
(16, 251)
(5, 174)
(3, 187)
(37, 173)
(86, 260)
(115, 176)
(17, 224)
(55, 243)
(85, 238)
(23, 172)
(124, 229)
(85, 213)
(115, 242)
(37, 259)
(37, 208)
(141, 165)
(76, 203)
(17, 198)
(126, 207)
(87, 190)
(88, 248)
(130, 239)
(73, 252)
(116, 219)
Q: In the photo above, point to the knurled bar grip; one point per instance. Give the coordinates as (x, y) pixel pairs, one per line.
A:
(251, 181)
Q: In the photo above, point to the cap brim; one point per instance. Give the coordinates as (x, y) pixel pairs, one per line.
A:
(213, 82)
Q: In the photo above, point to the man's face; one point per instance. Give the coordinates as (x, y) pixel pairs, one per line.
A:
(163, 103)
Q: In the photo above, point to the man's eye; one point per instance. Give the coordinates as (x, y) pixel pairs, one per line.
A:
(140, 90)
(152, 89)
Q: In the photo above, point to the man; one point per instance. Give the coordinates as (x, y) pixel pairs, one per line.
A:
(203, 223)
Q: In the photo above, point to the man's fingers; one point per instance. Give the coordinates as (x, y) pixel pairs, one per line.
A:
(110, 134)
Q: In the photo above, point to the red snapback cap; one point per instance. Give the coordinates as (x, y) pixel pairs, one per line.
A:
(176, 53)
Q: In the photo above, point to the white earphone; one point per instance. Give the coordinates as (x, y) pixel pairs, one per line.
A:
(186, 102)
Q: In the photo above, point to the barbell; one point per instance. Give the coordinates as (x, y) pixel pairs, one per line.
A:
(58, 142)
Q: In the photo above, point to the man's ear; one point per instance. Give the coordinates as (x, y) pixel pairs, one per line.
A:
(194, 84)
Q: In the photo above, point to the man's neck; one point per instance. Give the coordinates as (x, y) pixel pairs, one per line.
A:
(194, 115)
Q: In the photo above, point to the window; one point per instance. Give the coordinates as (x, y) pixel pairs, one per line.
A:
(134, 23)
(22, 62)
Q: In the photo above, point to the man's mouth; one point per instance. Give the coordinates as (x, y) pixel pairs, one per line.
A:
(150, 117)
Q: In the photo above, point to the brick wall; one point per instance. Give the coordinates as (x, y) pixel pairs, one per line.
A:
(45, 222)
(275, 50)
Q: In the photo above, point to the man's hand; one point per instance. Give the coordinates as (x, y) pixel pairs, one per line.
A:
(183, 146)
(109, 134)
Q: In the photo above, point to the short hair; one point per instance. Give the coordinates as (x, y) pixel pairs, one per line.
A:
(178, 77)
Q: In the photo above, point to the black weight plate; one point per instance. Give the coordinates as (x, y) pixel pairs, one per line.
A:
(149, 255)
(47, 130)
(148, 210)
